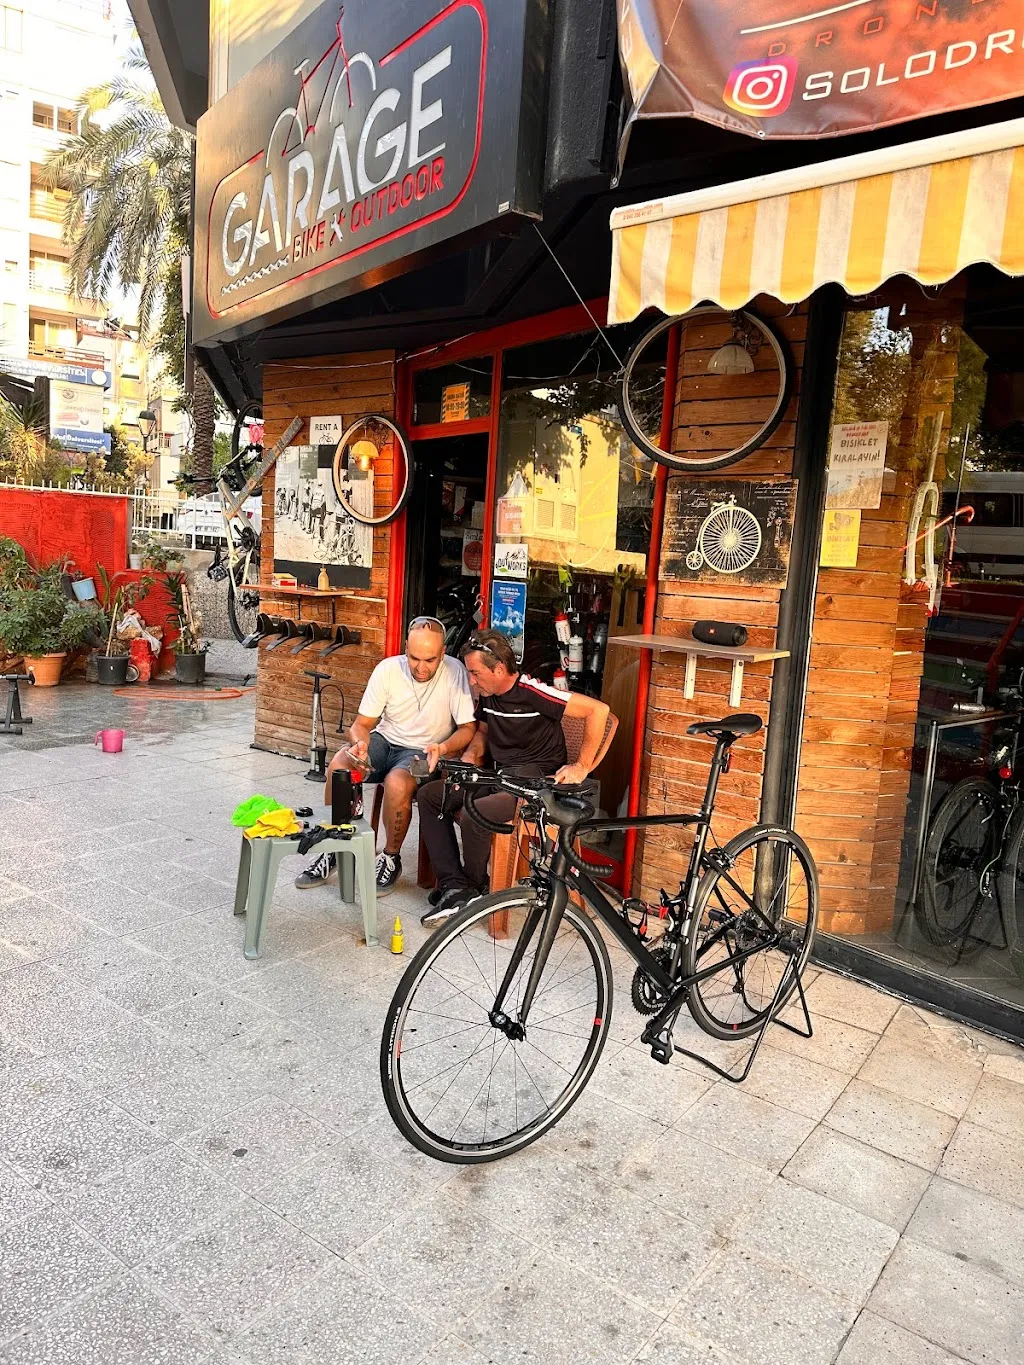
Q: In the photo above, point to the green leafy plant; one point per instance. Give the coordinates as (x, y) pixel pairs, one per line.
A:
(154, 554)
(15, 570)
(40, 620)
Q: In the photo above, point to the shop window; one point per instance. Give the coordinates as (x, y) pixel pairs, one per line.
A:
(573, 513)
(909, 764)
(453, 393)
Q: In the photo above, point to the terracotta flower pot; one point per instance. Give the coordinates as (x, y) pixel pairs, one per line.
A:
(45, 668)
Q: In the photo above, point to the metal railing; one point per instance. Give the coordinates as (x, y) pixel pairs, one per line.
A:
(73, 355)
(46, 282)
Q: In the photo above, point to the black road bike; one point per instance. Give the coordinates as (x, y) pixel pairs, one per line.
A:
(489, 1040)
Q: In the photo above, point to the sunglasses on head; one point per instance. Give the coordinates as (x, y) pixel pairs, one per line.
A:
(418, 621)
(474, 645)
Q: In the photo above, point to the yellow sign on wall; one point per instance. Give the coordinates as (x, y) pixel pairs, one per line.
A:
(840, 538)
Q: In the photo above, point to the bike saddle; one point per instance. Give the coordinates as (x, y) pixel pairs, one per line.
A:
(729, 727)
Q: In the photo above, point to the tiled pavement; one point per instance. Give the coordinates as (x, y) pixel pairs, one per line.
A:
(196, 1166)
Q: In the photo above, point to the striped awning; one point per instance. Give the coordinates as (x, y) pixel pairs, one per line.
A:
(925, 209)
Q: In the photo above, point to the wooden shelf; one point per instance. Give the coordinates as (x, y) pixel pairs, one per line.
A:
(309, 592)
(739, 656)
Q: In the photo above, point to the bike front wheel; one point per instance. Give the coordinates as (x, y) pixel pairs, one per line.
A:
(754, 919)
(1011, 891)
(244, 596)
(959, 862)
(462, 1082)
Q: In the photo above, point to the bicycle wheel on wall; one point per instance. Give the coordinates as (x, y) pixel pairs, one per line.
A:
(766, 885)
(959, 861)
(459, 1082)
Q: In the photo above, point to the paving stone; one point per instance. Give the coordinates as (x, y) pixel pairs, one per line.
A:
(150, 1205)
(970, 1311)
(130, 1054)
(46, 1261)
(827, 1243)
(443, 1257)
(550, 1312)
(762, 1314)
(259, 1141)
(211, 1019)
(972, 1227)
(343, 1318)
(751, 1128)
(180, 1099)
(696, 1180)
(794, 1083)
(998, 1104)
(614, 1233)
(843, 1047)
(237, 1267)
(123, 1323)
(344, 1196)
(983, 1159)
(631, 1078)
(946, 1081)
(17, 1196)
(850, 1002)
(913, 1132)
(1010, 1067)
(874, 1341)
(154, 985)
(669, 1346)
(861, 1177)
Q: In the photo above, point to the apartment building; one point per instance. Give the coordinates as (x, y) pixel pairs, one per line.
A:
(49, 51)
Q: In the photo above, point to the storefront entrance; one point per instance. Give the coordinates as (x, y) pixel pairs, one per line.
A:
(533, 513)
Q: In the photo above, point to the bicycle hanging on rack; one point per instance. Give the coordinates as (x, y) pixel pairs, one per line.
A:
(488, 1042)
(237, 560)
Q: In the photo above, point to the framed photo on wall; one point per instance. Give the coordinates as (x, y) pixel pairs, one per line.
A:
(311, 529)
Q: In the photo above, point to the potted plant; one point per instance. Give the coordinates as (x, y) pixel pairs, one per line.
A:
(189, 648)
(39, 623)
(148, 553)
(110, 665)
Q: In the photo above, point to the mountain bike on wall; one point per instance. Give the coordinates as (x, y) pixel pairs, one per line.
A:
(236, 561)
(489, 1041)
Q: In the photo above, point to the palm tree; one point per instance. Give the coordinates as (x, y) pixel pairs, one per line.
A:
(129, 176)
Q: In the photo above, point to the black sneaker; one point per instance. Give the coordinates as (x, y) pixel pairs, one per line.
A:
(389, 869)
(321, 872)
(455, 898)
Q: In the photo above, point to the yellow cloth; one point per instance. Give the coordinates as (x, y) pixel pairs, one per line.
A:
(273, 823)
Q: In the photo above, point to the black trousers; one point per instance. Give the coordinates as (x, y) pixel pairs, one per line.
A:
(438, 833)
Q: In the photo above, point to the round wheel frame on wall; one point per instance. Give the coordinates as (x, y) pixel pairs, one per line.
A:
(362, 428)
(630, 416)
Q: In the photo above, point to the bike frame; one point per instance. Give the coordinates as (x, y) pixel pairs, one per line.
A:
(566, 872)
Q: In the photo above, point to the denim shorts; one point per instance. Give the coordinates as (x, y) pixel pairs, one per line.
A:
(383, 756)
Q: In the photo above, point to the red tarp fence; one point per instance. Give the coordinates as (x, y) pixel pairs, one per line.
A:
(90, 527)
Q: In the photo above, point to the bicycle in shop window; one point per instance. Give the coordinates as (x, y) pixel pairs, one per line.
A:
(490, 1040)
(974, 851)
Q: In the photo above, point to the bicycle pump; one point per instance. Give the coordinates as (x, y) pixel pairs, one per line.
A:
(318, 752)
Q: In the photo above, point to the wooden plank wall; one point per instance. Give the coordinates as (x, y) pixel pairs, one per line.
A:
(866, 660)
(714, 412)
(352, 385)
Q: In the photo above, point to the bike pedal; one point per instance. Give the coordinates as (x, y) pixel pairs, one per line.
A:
(661, 1052)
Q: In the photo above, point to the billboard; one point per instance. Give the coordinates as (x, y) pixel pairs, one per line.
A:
(29, 369)
(371, 134)
(792, 69)
(76, 417)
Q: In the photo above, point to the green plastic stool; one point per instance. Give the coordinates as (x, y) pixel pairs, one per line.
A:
(257, 876)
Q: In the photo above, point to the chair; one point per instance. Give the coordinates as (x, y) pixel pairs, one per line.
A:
(509, 852)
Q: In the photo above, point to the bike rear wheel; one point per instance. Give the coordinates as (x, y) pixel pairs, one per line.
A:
(457, 1085)
(766, 886)
(244, 596)
(959, 861)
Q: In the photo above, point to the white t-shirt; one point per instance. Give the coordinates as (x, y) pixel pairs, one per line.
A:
(414, 714)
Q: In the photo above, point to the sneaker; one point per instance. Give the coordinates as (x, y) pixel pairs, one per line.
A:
(322, 871)
(389, 869)
(455, 898)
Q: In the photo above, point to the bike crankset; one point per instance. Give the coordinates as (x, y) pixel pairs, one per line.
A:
(646, 997)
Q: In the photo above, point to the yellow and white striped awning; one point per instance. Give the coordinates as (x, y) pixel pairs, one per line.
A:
(925, 209)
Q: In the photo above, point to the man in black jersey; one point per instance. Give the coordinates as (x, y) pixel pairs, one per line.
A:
(520, 724)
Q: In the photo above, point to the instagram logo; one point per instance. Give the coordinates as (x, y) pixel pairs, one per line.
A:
(761, 88)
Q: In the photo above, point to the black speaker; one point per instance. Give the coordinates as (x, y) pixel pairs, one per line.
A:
(720, 633)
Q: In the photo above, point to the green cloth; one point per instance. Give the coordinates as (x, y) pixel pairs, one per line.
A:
(250, 810)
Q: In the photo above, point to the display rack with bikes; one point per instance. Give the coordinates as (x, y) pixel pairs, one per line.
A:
(488, 1042)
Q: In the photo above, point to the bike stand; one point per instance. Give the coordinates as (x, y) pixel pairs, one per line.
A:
(807, 1032)
(14, 720)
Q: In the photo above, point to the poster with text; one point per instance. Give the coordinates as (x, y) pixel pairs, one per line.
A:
(856, 463)
(840, 539)
(511, 561)
(508, 613)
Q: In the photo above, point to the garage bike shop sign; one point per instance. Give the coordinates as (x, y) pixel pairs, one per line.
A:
(368, 137)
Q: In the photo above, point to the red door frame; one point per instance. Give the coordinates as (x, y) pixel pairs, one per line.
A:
(493, 344)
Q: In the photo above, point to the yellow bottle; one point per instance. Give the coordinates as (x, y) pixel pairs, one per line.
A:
(322, 581)
(397, 937)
